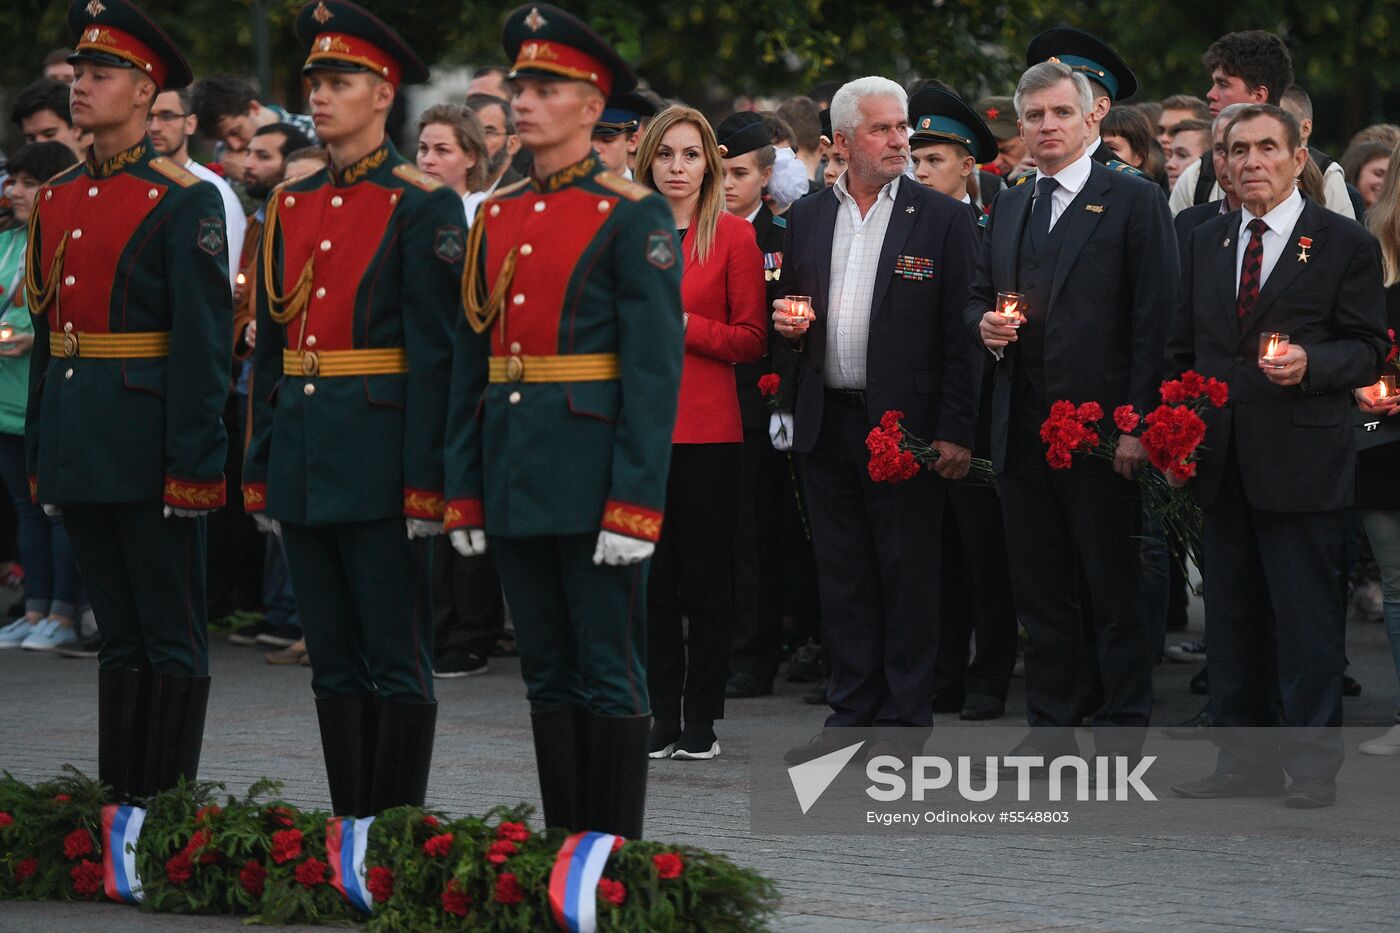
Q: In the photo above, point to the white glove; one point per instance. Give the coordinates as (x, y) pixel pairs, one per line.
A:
(52, 511)
(780, 430)
(469, 542)
(789, 180)
(267, 525)
(418, 528)
(618, 550)
(170, 511)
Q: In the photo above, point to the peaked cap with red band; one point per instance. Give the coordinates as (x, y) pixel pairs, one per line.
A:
(119, 34)
(543, 41)
(340, 36)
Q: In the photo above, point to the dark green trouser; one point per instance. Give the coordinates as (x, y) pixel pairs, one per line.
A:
(580, 628)
(145, 578)
(362, 590)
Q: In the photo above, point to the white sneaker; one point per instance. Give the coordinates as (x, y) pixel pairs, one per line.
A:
(48, 635)
(16, 632)
(1187, 652)
(1387, 744)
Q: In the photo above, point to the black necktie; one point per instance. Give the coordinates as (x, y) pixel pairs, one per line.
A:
(1040, 212)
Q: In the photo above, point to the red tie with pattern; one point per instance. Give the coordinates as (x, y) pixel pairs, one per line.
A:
(1249, 272)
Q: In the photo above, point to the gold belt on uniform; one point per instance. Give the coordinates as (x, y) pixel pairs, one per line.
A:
(383, 362)
(143, 345)
(577, 367)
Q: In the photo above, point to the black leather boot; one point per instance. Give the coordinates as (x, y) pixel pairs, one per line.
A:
(615, 776)
(560, 741)
(175, 730)
(403, 753)
(122, 699)
(348, 725)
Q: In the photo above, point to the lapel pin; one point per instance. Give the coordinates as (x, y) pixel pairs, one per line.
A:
(1304, 244)
(1226, 243)
(909, 210)
(1094, 208)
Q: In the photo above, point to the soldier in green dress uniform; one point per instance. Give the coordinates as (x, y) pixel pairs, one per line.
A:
(357, 294)
(127, 271)
(564, 391)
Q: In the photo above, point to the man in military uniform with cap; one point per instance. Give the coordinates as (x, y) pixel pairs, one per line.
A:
(999, 115)
(357, 295)
(128, 262)
(615, 134)
(564, 393)
(1110, 79)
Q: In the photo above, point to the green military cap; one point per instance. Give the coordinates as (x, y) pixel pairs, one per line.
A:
(624, 114)
(546, 42)
(999, 116)
(939, 116)
(119, 34)
(742, 132)
(340, 36)
(1087, 55)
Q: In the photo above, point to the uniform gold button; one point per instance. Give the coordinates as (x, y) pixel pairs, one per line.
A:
(518, 299)
(321, 292)
(394, 198)
(69, 280)
(539, 207)
(526, 249)
(514, 396)
(602, 207)
(308, 389)
(68, 374)
(289, 201)
(48, 195)
(325, 246)
(311, 340)
(515, 347)
(92, 192)
(68, 327)
(495, 210)
(77, 234)
(337, 201)
(153, 194)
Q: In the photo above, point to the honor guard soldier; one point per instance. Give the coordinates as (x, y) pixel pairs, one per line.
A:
(1109, 76)
(128, 263)
(357, 294)
(948, 142)
(565, 391)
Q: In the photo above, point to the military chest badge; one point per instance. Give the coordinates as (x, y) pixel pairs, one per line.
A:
(1304, 244)
(772, 267)
(916, 268)
(210, 236)
(450, 244)
(660, 253)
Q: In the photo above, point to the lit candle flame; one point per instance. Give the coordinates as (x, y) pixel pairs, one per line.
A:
(1010, 309)
(242, 279)
(1272, 351)
(1381, 388)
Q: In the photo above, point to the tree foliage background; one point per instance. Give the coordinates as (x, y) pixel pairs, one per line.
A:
(1346, 52)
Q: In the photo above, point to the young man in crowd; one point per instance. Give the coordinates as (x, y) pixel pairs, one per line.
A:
(41, 112)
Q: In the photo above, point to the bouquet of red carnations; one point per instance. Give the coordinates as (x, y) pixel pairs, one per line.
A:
(896, 454)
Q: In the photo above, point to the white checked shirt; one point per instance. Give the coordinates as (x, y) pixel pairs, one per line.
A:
(855, 253)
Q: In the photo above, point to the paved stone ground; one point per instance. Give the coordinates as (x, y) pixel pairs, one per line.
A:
(1328, 876)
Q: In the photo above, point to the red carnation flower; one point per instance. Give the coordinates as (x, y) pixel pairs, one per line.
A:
(1217, 392)
(5, 819)
(614, 892)
(454, 899)
(1172, 436)
(280, 815)
(508, 890)
(251, 876)
(430, 821)
(25, 869)
(618, 843)
(768, 384)
(286, 845)
(500, 850)
(438, 846)
(890, 420)
(311, 873)
(77, 843)
(1394, 350)
(87, 877)
(1089, 411)
(380, 882)
(668, 865)
(1125, 419)
(179, 868)
(515, 832)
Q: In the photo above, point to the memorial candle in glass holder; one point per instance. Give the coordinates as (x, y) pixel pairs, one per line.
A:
(1271, 347)
(1011, 308)
(1383, 389)
(6, 332)
(799, 311)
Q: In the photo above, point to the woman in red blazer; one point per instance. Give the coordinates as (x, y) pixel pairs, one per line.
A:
(692, 572)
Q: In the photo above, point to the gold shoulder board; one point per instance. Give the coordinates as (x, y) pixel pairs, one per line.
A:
(176, 173)
(619, 185)
(416, 178)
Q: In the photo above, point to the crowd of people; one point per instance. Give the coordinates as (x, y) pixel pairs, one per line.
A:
(830, 259)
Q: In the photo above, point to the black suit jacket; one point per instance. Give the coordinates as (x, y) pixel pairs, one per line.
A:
(1295, 445)
(780, 358)
(1111, 301)
(1191, 218)
(915, 359)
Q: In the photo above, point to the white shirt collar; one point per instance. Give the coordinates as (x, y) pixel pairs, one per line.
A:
(891, 188)
(1093, 147)
(1073, 176)
(1282, 218)
(755, 212)
(966, 198)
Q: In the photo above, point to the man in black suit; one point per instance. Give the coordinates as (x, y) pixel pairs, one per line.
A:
(886, 263)
(1092, 251)
(1276, 476)
(1110, 80)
